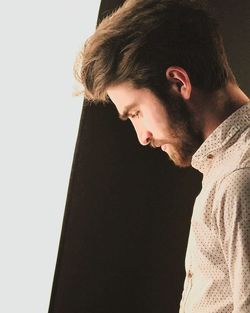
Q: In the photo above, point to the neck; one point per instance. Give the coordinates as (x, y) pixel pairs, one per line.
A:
(211, 110)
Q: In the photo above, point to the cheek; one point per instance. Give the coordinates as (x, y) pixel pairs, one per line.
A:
(148, 122)
(157, 125)
(156, 118)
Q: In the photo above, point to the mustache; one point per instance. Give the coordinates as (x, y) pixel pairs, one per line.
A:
(154, 145)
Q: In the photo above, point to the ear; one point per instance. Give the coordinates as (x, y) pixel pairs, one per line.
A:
(179, 81)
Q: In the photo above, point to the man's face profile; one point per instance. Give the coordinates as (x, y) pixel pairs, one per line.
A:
(155, 124)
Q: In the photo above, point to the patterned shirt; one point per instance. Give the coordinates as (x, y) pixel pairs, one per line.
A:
(218, 253)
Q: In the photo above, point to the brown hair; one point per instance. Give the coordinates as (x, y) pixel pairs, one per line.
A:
(140, 40)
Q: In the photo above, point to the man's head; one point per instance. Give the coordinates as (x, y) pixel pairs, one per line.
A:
(165, 48)
(160, 119)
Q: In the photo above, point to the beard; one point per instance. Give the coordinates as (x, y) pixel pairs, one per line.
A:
(185, 129)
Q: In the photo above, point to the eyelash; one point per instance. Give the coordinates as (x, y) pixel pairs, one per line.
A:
(136, 114)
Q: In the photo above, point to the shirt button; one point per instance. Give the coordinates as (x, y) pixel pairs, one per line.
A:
(190, 274)
(210, 156)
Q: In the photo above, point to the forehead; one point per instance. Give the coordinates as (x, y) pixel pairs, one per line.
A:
(126, 96)
(123, 94)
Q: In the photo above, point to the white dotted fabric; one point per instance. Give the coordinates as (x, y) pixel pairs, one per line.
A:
(218, 253)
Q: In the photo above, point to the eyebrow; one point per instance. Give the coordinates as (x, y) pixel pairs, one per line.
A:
(124, 115)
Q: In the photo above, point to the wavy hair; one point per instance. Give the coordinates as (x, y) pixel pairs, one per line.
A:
(142, 38)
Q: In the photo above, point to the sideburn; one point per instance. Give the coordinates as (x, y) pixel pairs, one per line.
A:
(182, 122)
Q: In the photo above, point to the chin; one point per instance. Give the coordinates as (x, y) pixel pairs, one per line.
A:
(180, 160)
(182, 164)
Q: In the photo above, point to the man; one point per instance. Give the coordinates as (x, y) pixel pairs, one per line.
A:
(163, 65)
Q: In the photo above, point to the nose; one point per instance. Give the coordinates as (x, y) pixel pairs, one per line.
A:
(144, 137)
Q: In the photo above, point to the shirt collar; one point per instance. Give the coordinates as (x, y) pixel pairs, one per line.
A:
(238, 121)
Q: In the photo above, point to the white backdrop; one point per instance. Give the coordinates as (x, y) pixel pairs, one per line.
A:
(39, 121)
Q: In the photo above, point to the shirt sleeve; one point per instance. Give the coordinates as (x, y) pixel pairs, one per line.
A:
(233, 225)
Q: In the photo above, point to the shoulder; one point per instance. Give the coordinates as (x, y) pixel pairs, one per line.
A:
(233, 196)
(236, 182)
(232, 190)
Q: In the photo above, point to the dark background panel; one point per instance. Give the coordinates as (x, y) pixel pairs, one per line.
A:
(128, 209)
(234, 19)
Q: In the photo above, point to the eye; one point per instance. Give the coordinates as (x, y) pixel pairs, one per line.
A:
(136, 114)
